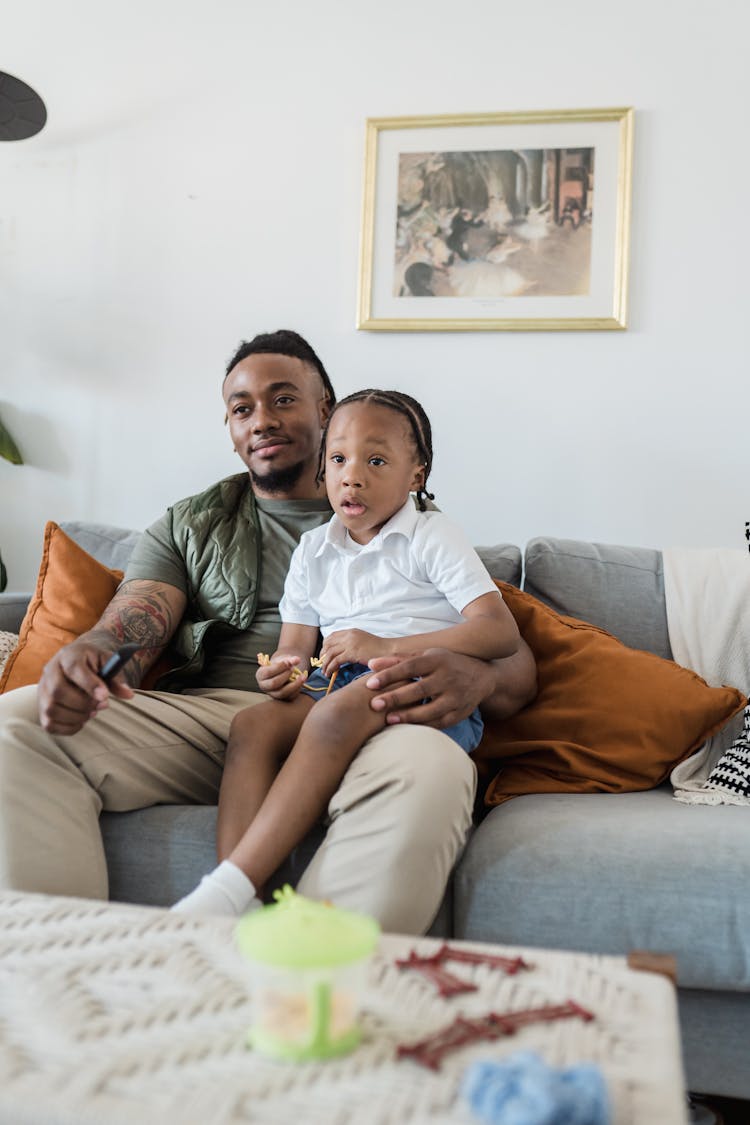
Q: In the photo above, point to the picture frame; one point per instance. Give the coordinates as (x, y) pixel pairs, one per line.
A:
(496, 221)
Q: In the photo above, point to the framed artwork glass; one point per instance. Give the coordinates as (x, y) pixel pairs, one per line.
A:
(496, 221)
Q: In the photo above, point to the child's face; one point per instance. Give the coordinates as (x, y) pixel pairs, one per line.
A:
(371, 466)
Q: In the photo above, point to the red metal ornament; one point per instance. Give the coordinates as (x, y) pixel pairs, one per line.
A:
(447, 983)
(429, 1052)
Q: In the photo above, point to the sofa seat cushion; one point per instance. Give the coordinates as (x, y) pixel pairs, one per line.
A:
(157, 855)
(610, 873)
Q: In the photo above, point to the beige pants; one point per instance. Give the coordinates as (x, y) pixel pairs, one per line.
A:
(397, 822)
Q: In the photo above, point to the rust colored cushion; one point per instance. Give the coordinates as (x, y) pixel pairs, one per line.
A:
(72, 592)
(606, 719)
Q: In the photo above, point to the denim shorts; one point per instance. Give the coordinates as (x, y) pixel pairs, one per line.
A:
(467, 733)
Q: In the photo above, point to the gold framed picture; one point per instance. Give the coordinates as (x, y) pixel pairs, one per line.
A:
(496, 221)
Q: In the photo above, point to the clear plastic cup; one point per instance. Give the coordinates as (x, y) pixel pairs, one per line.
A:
(308, 964)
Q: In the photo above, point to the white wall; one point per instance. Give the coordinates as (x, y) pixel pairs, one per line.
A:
(199, 180)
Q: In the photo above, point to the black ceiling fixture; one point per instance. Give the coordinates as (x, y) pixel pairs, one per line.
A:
(22, 111)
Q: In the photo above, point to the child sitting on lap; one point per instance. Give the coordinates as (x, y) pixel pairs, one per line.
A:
(381, 579)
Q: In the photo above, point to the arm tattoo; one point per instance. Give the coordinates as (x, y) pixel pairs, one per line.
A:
(138, 613)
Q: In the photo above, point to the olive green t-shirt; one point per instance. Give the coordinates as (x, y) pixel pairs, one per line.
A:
(231, 657)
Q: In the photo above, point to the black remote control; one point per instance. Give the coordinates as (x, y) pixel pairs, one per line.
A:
(118, 661)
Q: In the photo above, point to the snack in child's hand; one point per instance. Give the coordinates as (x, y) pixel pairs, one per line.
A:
(264, 659)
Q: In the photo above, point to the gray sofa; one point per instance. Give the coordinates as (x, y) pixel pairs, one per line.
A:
(600, 873)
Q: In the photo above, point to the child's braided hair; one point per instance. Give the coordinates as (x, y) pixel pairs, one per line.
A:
(411, 410)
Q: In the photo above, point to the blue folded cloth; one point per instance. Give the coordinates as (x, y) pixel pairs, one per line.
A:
(524, 1090)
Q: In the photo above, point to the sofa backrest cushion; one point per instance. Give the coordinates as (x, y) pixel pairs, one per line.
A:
(111, 546)
(620, 589)
(503, 562)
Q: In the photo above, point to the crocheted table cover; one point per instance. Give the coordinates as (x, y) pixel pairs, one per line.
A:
(126, 1014)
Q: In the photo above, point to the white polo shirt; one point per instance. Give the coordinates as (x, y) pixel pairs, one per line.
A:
(415, 576)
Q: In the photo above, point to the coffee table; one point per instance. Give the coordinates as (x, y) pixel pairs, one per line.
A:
(113, 1013)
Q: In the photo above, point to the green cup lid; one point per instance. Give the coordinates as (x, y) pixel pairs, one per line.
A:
(298, 933)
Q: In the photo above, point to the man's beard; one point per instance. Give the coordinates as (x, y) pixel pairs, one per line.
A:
(278, 480)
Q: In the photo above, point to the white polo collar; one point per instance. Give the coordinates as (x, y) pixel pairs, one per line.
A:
(402, 523)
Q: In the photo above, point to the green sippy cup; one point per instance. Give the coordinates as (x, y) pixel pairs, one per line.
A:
(309, 963)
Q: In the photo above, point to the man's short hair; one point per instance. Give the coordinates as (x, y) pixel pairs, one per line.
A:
(283, 342)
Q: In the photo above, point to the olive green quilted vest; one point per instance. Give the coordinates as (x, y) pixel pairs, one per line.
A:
(217, 533)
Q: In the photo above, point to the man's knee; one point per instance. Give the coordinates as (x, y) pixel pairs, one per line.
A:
(431, 777)
(19, 728)
(402, 813)
(443, 776)
(21, 703)
(427, 750)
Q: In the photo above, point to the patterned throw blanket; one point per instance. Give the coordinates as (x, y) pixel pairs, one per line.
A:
(707, 596)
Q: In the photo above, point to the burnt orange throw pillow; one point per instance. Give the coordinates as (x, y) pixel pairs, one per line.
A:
(72, 592)
(606, 719)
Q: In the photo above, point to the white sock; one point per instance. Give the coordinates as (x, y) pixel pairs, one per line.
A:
(225, 890)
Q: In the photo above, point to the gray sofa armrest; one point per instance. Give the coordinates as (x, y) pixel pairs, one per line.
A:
(12, 610)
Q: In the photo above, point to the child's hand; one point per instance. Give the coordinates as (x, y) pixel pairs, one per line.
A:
(351, 646)
(275, 675)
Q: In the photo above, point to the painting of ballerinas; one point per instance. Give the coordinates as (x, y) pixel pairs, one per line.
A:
(503, 223)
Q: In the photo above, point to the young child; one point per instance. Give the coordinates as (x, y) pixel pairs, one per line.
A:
(380, 579)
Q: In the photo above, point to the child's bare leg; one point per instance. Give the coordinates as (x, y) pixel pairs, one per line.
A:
(329, 739)
(260, 739)
(256, 748)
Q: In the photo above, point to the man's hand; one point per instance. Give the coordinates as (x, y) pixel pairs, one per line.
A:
(351, 646)
(70, 690)
(274, 677)
(453, 684)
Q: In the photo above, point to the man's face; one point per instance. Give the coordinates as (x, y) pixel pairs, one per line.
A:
(276, 406)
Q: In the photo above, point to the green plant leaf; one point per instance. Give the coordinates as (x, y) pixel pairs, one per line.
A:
(8, 448)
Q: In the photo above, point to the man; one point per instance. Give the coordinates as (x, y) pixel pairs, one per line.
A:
(206, 580)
